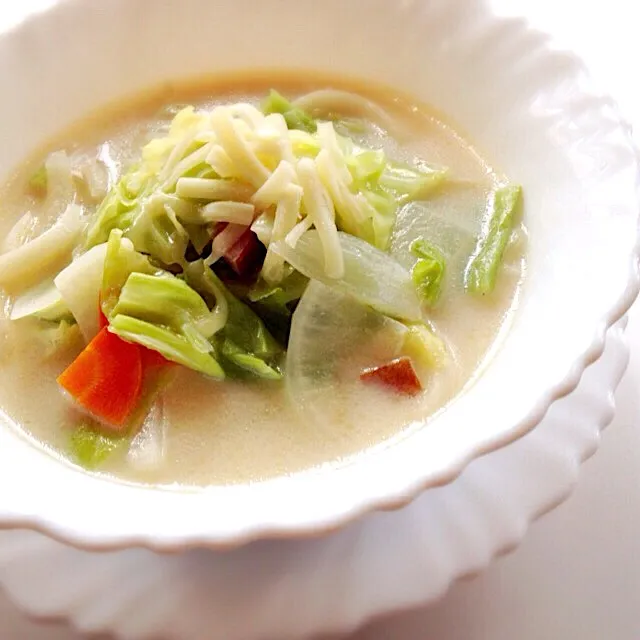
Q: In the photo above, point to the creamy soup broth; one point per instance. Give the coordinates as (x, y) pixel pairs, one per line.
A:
(234, 432)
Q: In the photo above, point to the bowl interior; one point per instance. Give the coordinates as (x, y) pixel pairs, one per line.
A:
(527, 107)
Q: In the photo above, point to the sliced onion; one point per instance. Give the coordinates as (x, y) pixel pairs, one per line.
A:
(59, 178)
(21, 232)
(450, 220)
(79, 285)
(148, 448)
(96, 176)
(329, 332)
(370, 275)
(329, 103)
(33, 260)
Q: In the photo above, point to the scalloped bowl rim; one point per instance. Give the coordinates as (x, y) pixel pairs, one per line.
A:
(159, 515)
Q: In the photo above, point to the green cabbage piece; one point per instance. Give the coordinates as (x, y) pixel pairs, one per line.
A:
(142, 204)
(174, 346)
(246, 363)
(120, 262)
(148, 219)
(167, 314)
(90, 447)
(161, 299)
(424, 347)
(428, 272)
(243, 333)
(202, 170)
(386, 186)
(382, 186)
(380, 205)
(411, 183)
(199, 236)
(121, 206)
(366, 165)
(275, 303)
(370, 276)
(385, 209)
(38, 182)
(482, 271)
(164, 313)
(57, 337)
(294, 117)
(157, 232)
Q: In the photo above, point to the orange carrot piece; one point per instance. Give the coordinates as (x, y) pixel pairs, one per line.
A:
(106, 378)
(152, 358)
(102, 319)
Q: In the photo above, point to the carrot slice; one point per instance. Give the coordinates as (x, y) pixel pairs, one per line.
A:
(102, 319)
(106, 378)
(152, 359)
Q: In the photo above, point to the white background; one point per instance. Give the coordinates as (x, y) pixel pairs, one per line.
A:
(577, 574)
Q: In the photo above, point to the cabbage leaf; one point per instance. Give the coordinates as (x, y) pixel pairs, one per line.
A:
(243, 333)
(32, 261)
(429, 270)
(43, 302)
(90, 447)
(482, 271)
(57, 337)
(120, 262)
(184, 347)
(370, 275)
(424, 347)
(294, 117)
(165, 314)
(275, 303)
(142, 203)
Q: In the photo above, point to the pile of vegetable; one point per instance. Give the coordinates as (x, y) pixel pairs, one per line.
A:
(219, 249)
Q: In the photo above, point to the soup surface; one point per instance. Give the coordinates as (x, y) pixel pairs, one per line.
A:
(205, 431)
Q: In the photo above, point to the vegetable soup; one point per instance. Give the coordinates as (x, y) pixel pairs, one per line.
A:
(249, 277)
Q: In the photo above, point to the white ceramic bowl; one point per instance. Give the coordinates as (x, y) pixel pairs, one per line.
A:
(529, 108)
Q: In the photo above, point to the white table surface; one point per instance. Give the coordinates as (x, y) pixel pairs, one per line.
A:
(577, 574)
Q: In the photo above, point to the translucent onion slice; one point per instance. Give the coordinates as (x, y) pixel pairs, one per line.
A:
(33, 260)
(148, 447)
(21, 232)
(370, 275)
(327, 103)
(330, 333)
(450, 220)
(79, 285)
(60, 188)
